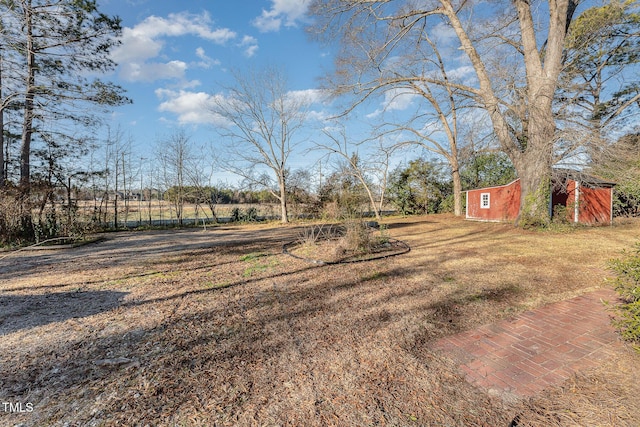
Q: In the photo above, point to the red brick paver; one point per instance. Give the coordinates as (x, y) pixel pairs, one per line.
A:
(539, 348)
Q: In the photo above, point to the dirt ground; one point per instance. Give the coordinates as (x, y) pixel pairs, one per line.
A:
(219, 327)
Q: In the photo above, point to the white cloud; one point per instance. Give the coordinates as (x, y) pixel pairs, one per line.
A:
(148, 72)
(308, 96)
(200, 53)
(135, 47)
(179, 24)
(463, 72)
(288, 12)
(195, 107)
(399, 99)
(205, 62)
(320, 116)
(267, 22)
(190, 84)
(250, 45)
(250, 51)
(145, 41)
(444, 34)
(395, 100)
(190, 107)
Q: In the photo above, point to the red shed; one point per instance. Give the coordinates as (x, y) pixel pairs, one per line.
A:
(583, 198)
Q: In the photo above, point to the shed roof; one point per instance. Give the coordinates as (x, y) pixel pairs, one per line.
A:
(561, 176)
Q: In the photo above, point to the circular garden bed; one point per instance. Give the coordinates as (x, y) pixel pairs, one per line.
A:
(344, 243)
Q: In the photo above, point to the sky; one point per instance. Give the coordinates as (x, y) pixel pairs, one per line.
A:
(175, 55)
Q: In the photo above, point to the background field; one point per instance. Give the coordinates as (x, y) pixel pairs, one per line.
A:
(141, 213)
(219, 327)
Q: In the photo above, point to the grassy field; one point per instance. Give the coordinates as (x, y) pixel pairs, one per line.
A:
(155, 210)
(238, 333)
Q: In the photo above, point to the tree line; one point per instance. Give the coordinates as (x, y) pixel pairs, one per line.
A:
(49, 103)
(532, 87)
(110, 200)
(549, 80)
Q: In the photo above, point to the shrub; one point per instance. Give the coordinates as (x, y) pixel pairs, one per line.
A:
(236, 214)
(239, 215)
(357, 237)
(250, 215)
(627, 284)
(361, 237)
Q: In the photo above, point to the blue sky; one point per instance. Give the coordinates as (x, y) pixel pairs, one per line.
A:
(175, 54)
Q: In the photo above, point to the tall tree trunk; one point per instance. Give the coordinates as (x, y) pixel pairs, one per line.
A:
(3, 174)
(533, 166)
(535, 160)
(284, 214)
(534, 171)
(531, 152)
(27, 124)
(372, 201)
(115, 196)
(457, 187)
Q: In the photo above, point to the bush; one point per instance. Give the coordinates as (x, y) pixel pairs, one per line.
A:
(627, 284)
(361, 237)
(236, 214)
(357, 237)
(16, 219)
(251, 215)
(239, 215)
(560, 215)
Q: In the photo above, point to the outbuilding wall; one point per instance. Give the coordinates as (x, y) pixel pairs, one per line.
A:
(504, 203)
(585, 204)
(595, 206)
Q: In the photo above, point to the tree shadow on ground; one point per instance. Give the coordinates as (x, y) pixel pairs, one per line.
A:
(242, 351)
(28, 311)
(347, 343)
(136, 248)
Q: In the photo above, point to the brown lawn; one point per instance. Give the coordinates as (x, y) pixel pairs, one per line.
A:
(219, 327)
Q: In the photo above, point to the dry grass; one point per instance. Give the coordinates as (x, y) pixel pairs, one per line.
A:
(606, 396)
(238, 333)
(144, 211)
(344, 243)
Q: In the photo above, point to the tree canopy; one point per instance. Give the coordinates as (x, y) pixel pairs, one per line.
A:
(52, 54)
(507, 58)
(258, 120)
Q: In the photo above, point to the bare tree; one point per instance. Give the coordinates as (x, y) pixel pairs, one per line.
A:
(117, 152)
(259, 119)
(3, 174)
(200, 172)
(427, 127)
(174, 155)
(516, 57)
(434, 123)
(376, 165)
(7, 97)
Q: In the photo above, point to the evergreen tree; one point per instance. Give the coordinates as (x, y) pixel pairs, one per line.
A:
(58, 45)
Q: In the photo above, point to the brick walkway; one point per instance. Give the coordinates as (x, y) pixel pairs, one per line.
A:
(521, 356)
